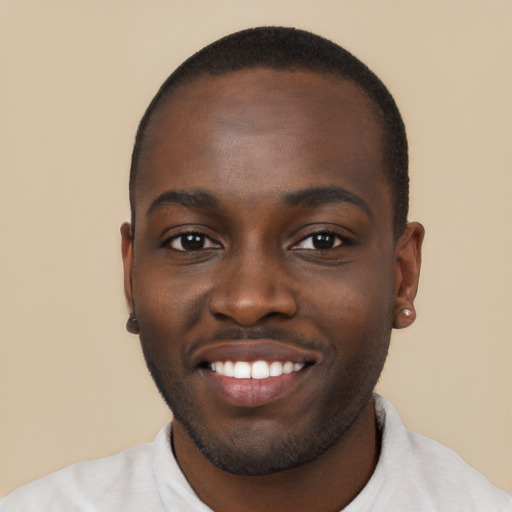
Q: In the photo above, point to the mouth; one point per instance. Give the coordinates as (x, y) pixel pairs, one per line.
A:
(254, 373)
(256, 370)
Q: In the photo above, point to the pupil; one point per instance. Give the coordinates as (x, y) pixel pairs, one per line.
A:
(192, 242)
(323, 241)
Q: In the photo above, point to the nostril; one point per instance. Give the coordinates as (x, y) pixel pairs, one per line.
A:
(247, 307)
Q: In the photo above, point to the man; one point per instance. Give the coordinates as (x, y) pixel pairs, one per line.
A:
(267, 260)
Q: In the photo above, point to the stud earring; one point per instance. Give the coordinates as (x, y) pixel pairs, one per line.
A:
(403, 318)
(132, 325)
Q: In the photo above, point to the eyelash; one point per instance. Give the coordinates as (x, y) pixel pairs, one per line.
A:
(339, 241)
(212, 244)
(181, 236)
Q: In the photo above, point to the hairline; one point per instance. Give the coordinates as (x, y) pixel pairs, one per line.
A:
(382, 105)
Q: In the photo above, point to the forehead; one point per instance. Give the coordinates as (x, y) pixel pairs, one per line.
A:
(262, 131)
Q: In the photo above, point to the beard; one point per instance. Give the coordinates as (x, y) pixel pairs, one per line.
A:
(257, 449)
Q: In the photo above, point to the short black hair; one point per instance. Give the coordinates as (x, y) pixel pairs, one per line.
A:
(291, 49)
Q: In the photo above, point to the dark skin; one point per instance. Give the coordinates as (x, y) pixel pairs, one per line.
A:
(264, 232)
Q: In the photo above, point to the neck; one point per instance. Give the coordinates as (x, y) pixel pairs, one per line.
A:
(327, 484)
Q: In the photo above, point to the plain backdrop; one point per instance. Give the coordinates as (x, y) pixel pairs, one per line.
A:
(75, 78)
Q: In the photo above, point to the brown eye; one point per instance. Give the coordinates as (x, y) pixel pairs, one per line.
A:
(192, 242)
(320, 241)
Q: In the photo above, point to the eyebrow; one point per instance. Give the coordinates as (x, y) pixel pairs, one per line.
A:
(194, 199)
(310, 197)
(318, 196)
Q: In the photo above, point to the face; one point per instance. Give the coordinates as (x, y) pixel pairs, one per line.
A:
(263, 270)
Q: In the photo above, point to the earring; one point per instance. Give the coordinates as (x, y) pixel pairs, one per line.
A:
(404, 317)
(132, 325)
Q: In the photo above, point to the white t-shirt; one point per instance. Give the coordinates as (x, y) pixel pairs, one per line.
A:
(414, 474)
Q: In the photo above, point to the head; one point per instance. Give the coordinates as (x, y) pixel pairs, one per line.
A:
(269, 255)
(290, 49)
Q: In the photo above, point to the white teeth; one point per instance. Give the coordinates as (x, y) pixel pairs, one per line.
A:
(228, 370)
(260, 370)
(242, 370)
(276, 369)
(288, 367)
(255, 370)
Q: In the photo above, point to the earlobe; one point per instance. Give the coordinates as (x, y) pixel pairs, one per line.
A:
(132, 325)
(404, 317)
(407, 273)
(127, 254)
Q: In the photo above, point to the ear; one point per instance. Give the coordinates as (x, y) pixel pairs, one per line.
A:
(127, 253)
(407, 273)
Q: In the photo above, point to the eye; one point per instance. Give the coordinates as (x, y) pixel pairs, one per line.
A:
(320, 241)
(192, 242)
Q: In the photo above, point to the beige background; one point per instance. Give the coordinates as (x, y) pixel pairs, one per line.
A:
(75, 79)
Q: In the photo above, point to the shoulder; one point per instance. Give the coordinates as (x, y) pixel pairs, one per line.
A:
(429, 476)
(453, 479)
(117, 482)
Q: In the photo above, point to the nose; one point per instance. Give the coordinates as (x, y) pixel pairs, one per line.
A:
(252, 288)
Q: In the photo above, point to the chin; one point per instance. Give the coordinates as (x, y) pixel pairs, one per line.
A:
(263, 449)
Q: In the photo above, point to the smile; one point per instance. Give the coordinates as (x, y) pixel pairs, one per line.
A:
(252, 373)
(256, 369)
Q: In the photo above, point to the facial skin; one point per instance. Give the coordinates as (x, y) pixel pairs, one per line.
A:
(277, 180)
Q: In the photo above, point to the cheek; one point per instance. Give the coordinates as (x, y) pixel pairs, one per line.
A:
(351, 302)
(353, 287)
(167, 301)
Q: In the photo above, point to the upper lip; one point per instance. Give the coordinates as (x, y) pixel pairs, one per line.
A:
(253, 350)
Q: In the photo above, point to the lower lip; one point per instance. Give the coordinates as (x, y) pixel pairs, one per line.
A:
(253, 392)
